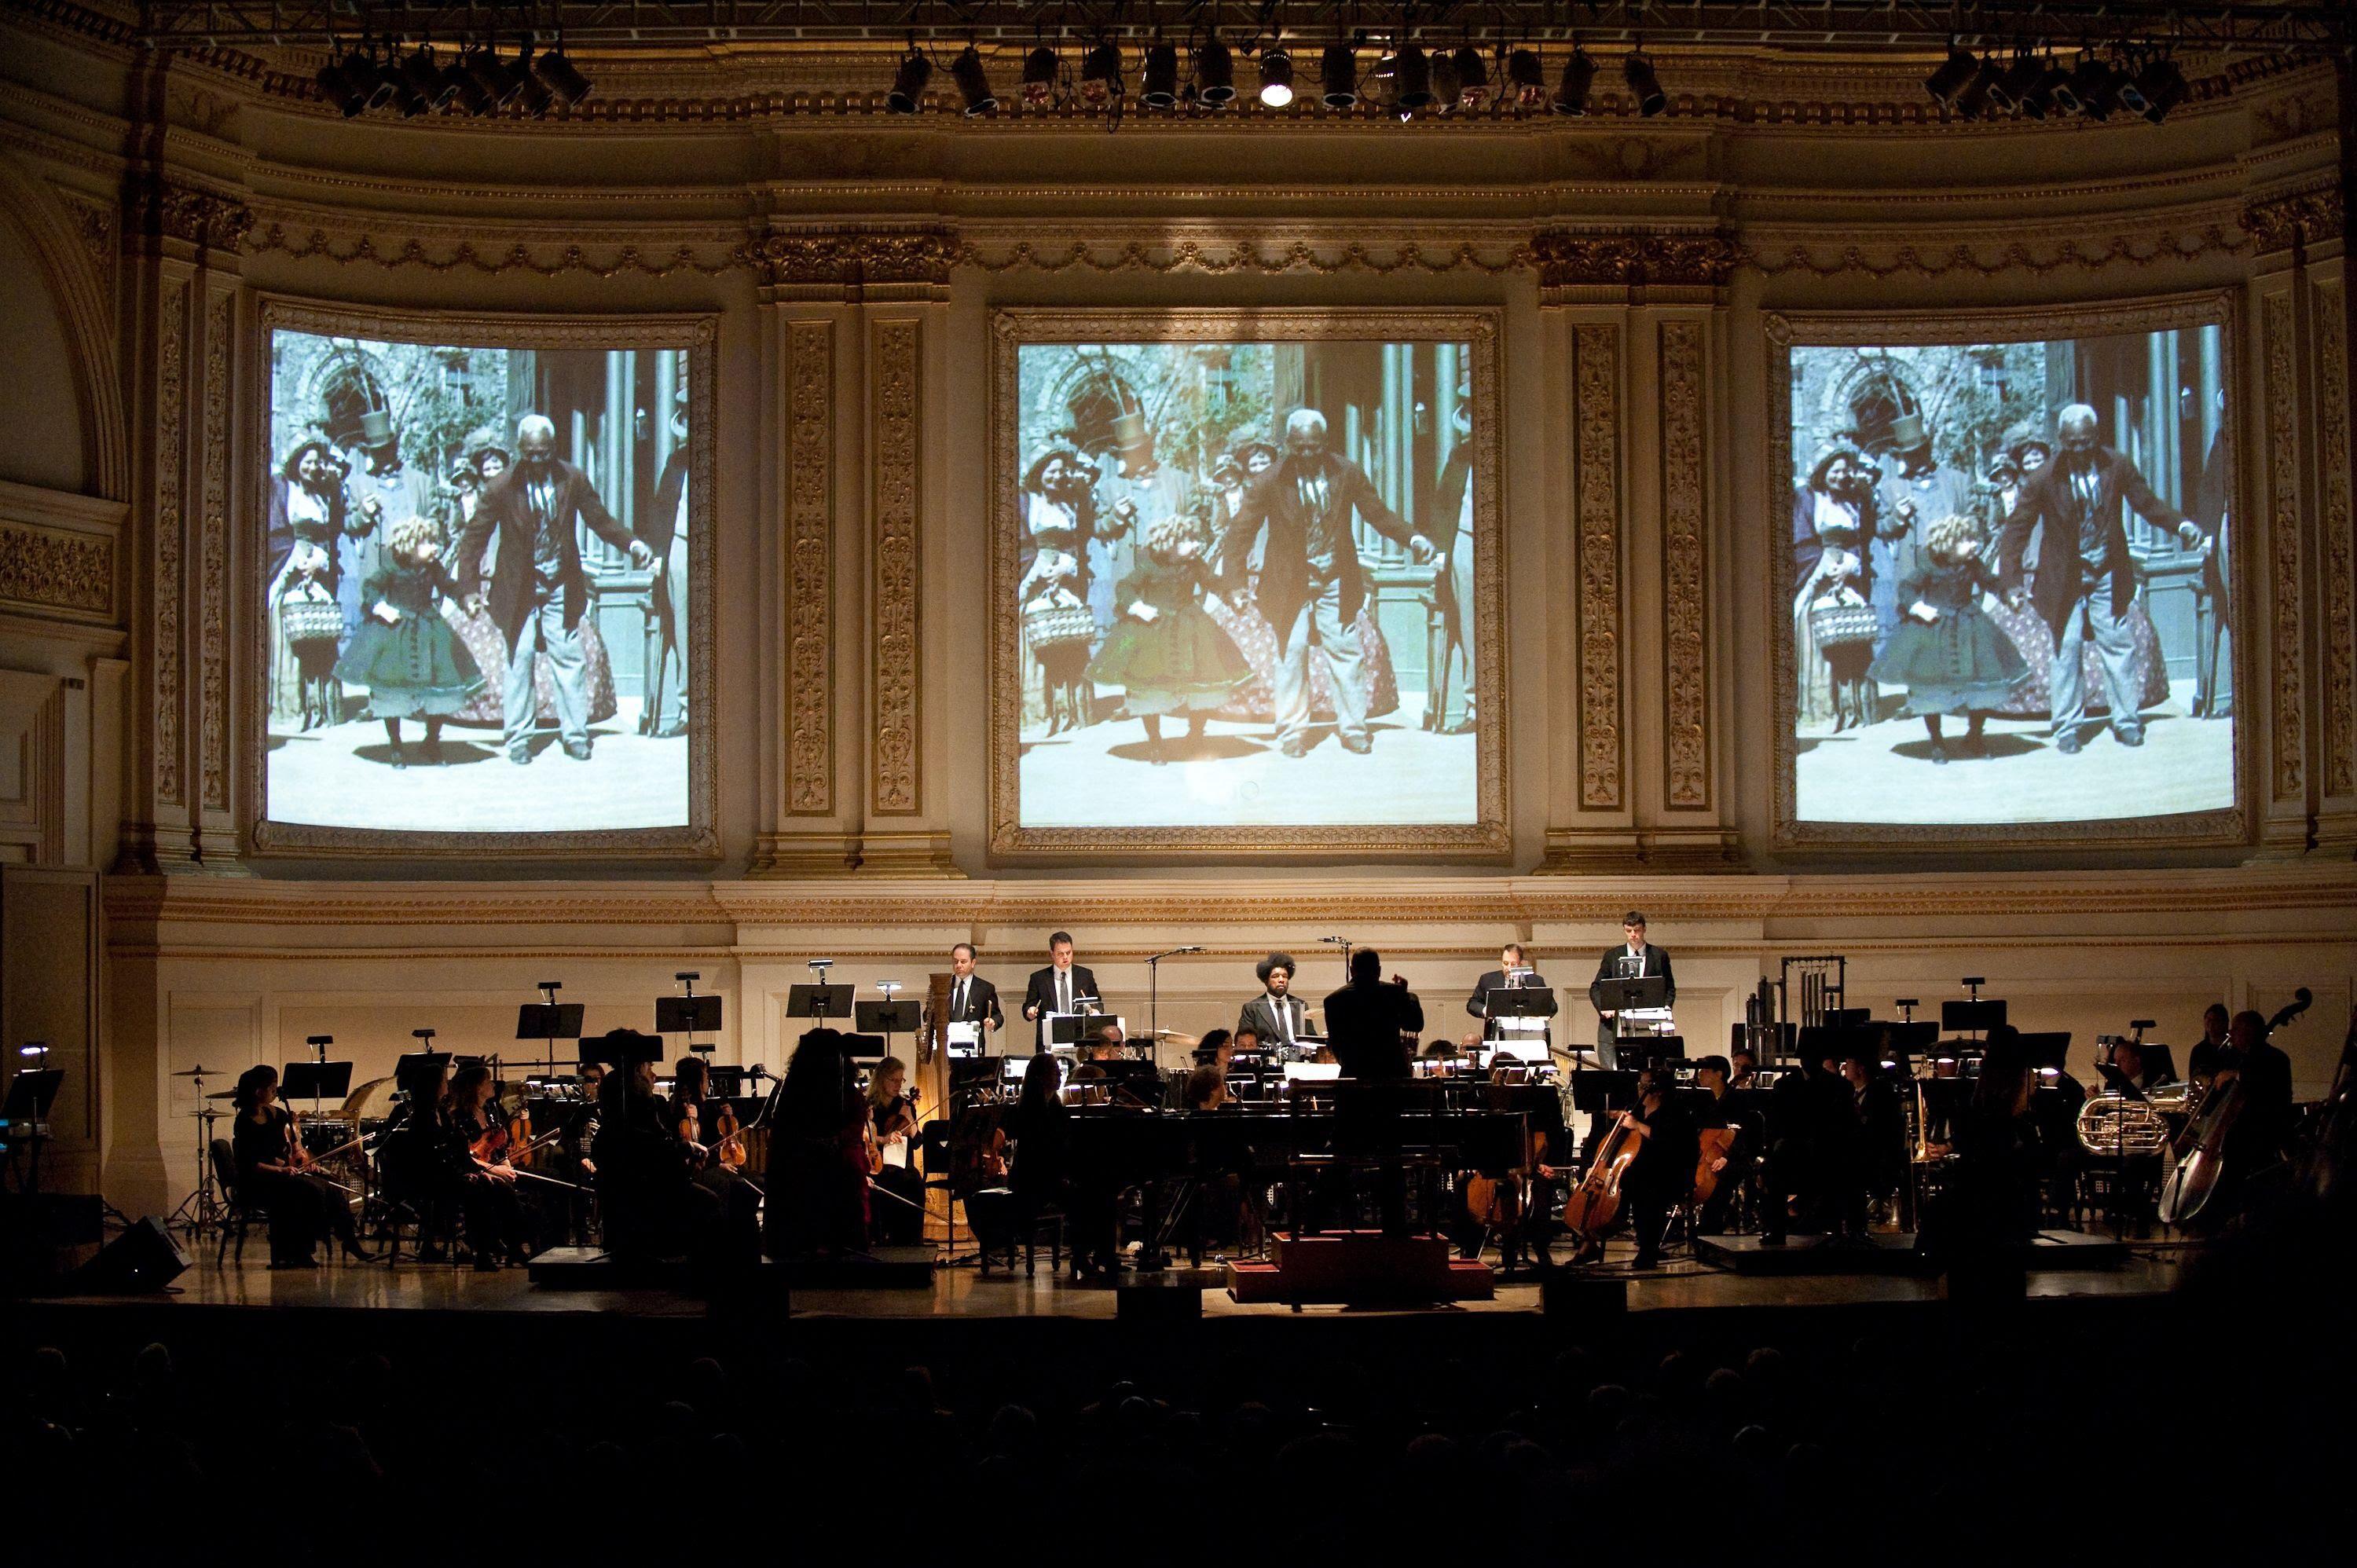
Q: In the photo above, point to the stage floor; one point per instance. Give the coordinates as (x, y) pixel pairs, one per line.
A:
(963, 1294)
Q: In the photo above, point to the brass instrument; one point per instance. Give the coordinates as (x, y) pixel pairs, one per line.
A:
(2112, 1123)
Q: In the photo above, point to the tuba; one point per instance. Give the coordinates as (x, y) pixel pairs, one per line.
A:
(2114, 1124)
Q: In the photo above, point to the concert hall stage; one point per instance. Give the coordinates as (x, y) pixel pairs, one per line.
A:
(962, 1311)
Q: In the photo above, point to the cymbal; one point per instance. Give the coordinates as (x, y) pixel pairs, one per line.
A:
(224, 1094)
(1180, 1037)
(199, 1072)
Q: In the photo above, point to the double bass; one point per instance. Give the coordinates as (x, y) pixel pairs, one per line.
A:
(2201, 1149)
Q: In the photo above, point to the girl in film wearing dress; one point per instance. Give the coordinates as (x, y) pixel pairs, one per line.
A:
(1947, 652)
(405, 652)
(1165, 651)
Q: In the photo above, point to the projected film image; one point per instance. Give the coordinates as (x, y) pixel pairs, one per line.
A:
(1246, 583)
(476, 586)
(2010, 579)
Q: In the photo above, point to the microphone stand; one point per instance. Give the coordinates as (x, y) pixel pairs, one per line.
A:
(1153, 997)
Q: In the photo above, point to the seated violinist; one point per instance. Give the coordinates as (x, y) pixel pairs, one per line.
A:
(818, 1164)
(647, 1196)
(497, 1224)
(892, 1116)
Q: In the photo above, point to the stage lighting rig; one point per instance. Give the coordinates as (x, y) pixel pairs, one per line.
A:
(1526, 77)
(1951, 76)
(1578, 77)
(1161, 90)
(1276, 77)
(973, 82)
(1215, 73)
(1472, 77)
(1644, 87)
(1412, 78)
(1039, 78)
(1337, 76)
(1101, 75)
(908, 94)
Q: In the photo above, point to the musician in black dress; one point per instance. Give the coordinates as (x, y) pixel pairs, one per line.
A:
(273, 1173)
(575, 1149)
(818, 1168)
(498, 1226)
(648, 1202)
(898, 1209)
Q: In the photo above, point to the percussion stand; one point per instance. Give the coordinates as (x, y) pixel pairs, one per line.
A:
(200, 1212)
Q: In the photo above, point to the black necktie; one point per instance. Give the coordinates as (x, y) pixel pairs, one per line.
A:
(959, 1008)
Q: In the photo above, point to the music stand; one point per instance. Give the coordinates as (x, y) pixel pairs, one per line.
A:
(31, 1094)
(409, 1068)
(887, 1019)
(819, 1002)
(549, 1020)
(866, 1047)
(696, 1014)
(1643, 991)
(2047, 1050)
(1080, 1028)
(1517, 1002)
(315, 1082)
(1976, 1016)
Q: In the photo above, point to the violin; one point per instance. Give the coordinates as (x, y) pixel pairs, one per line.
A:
(1592, 1206)
(728, 1145)
(2201, 1149)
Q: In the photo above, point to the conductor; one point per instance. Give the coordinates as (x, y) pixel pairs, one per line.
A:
(1634, 959)
(1368, 1024)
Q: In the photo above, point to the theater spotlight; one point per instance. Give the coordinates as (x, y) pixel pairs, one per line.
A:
(1276, 77)
(346, 81)
(531, 95)
(1472, 77)
(908, 94)
(966, 70)
(1412, 75)
(2161, 86)
(1444, 80)
(1952, 75)
(2096, 86)
(1527, 78)
(1215, 73)
(1973, 102)
(1337, 77)
(1643, 85)
(421, 82)
(566, 86)
(459, 88)
(494, 81)
(1039, 78)
(2131, 79)
(2011, 92)
(1101, 75)
(1578, 76)
(1161, 75)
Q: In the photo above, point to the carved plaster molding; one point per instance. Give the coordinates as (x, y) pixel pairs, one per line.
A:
(810, 578)
(193, 217)
(1595, 402)
(213, 633)
(49, 570)
(852, 259)
(1158, 253)
(2287, 644)
(1684, 667)
(2334, 523)
(170, 455)
(2298, 219)
(98, 225)
(1894, 259)
(896, 351)
(1635, 258)
(548, 260)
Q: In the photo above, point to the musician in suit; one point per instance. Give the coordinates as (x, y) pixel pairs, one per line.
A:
(1312, 587)
(1513, 973)
(1644, 961)
(1367, 1026)
(1057, 988)
(1276, 1014)
(539, 590)
(972, 1000)
(2086, 581)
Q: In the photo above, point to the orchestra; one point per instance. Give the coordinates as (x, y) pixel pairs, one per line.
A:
(1301, 1112)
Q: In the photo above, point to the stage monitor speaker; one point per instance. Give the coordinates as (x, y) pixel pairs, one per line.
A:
(143, 1258)
(1158, 1305)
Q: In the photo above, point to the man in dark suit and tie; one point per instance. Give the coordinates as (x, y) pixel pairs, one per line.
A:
(2086, 579)
(539, 591)
(1058, 987)
(1634, 959)
(972, 1000)
(1311, 587)
(1513, 973)
(1276, 1015)
(1367, 1024)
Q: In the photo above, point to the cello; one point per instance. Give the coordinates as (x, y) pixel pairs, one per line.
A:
(1592, 1206)
(2201, 1149)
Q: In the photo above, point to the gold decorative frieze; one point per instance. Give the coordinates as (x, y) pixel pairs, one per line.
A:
(853, 259)
(1686, 672)
(170, 454)
(547, 260)
(2288, 724)
(1596, 404)
(1964, 257)
(809, 587)
(194, 216)
(892, 615)
(1160, 254)
(2334, 523)
(52, 569)
(212, 625)
(2299, 219)
(1635, 258)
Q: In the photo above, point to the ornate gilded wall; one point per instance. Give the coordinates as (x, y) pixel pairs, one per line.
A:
(852, 263)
